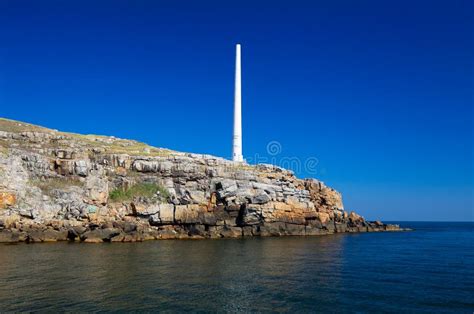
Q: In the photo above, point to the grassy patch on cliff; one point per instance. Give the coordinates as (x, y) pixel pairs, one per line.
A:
(47, 186)
(8, 125)
(148, 190)
(110, 144)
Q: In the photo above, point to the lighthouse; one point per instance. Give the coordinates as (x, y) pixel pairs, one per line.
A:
(237, 139)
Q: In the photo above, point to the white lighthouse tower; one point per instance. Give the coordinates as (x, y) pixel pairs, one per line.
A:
(237, 139)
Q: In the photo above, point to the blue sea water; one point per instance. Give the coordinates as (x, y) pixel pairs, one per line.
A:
(427, 270)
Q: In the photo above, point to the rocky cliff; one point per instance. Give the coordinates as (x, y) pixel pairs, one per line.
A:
(62, 186)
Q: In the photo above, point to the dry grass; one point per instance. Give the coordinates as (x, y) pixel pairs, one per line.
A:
(111, 145)
(138, 149)
(16, 127)
(47, 186)
(4, 147)
(121, 146)
(241, 166)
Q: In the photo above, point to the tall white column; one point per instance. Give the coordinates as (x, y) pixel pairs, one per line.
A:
(237, 141)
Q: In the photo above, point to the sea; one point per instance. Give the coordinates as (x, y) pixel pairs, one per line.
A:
(427, 270)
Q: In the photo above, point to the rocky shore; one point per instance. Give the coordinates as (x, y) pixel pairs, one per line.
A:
(57, 186)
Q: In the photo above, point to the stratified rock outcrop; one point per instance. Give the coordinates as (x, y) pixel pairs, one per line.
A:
(61, 186)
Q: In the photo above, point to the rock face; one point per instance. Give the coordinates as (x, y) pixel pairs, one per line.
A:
(60, 186)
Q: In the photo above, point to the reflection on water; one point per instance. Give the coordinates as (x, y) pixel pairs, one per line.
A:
(330, 273)
(228, 275)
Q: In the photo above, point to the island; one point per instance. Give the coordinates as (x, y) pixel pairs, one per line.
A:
(57, 186)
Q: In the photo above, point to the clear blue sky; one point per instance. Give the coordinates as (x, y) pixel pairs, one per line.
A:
(380, 92)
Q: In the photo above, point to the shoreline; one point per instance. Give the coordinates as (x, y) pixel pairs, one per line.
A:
(130, 232)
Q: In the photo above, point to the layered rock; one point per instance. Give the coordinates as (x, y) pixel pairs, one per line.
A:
(59, 186)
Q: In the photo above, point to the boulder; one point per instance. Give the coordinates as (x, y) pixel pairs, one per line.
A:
(187, 214)
(125, 226)
(118, 238)
(166, 213)
(261, 198)
(99, 235)
(46, 235)
(272, 229)
(11, 236)
(144, 209)
(81, 168)
(230, 232)
(251, 216)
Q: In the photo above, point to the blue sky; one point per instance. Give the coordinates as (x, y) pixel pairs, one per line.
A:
(379, 92)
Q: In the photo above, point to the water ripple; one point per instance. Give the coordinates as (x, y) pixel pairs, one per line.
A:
(422, 271)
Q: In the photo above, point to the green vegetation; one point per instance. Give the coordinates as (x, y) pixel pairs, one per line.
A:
(153, 191)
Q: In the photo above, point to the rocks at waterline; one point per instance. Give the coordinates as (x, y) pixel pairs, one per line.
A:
(58, 186)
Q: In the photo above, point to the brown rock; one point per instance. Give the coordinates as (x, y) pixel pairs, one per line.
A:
(282, 206)
(248, 231)
(166, 213)
(93, 240)
(323, 218)
(118, 238)
(167, 232)
(213, 200)
(95, 235)
(7, 199)
(188, 214)
(341, 227)
(392, 227)
(230, 232)
(11, 236)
